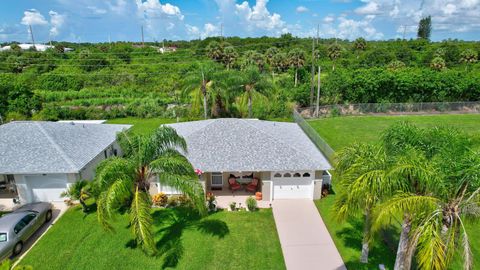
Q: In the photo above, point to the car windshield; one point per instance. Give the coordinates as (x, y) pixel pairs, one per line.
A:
(3, 237)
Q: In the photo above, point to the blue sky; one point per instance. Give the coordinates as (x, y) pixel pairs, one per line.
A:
(97, 21)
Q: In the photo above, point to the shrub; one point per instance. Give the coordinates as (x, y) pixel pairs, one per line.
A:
(251, 204)
(233, 206)
(160, 199)
(184, 200)
(173, 201)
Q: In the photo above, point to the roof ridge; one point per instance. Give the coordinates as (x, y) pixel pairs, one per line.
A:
(56, 146)
(202, 128)
(276, 139)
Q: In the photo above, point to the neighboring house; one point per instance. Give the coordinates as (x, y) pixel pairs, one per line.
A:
(279, 154)
(41, 159)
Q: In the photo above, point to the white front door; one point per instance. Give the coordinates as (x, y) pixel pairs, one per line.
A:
(291, 186)
(46, 188)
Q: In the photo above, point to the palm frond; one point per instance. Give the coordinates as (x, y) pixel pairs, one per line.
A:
(141, 221)
(403, 203)
(431, 251)
(166, 138)
(112, 169)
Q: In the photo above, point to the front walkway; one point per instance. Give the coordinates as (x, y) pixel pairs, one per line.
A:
(225, 197)
(305, 241)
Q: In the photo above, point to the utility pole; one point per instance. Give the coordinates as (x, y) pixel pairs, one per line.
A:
(404, 31)
(143, 41)
(312, 84)
(221, 31)
(317, 105)
(318, 32)
(31, 35)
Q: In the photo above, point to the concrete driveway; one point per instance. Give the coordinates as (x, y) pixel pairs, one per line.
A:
(305, 241)
(59, 208)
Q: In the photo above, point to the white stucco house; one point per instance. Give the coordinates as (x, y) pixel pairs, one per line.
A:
(279, 155)
(39, 160)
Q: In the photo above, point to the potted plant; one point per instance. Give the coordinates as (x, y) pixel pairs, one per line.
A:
(211, 203)
(232, 206)
(258, 196)
(251, 204)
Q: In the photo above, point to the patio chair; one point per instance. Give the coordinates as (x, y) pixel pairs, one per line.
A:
(233, 184)
(252, 187)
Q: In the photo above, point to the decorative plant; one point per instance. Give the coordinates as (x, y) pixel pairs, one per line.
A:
(233, 206)
(251, 203)
(173, 201)
(184, 200)
(78, 191)
(211, 203)
(160, 199)
(258, 196)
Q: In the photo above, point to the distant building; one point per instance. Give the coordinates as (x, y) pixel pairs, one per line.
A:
(38, 47)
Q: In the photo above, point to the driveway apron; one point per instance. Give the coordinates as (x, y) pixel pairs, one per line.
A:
(305, 241)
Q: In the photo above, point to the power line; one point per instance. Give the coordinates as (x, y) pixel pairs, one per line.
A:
(122, 65)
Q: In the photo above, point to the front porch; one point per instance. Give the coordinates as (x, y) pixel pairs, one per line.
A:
(225, 197)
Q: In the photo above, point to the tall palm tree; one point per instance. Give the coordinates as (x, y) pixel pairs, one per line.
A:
(366, 176)
(270, 56)
(125, 182)
(254, 58)
(251, 81)
(468, 57)
(296, 59)
(360, 44)
(215, 51)
(199, 84)
(438, 64)
(229, 56)
(334, 52)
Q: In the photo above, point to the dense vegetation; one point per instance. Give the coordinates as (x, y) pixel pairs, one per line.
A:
(262, 77)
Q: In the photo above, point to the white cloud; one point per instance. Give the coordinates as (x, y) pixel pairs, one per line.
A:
(250, 20)
(329, 19)
(161, 20)
(96, 10)
(119, 6)
(33, 17)
(301, 9)
(369, 8)
(56, 22)
(209, 30)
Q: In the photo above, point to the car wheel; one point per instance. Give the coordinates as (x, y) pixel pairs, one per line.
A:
(48, 216)
(17, 249)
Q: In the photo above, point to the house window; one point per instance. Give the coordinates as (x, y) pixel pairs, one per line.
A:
(297, 175)
(287, 175)
(306, 174)
(217, 179)
(277, 175)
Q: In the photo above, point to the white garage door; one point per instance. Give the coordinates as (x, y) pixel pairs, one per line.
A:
(292, 187)
(46, 188)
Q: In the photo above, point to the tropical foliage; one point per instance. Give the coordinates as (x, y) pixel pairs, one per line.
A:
(124, 183)
(427, 178)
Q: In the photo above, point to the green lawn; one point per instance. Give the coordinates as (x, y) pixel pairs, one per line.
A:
(142, 125)
(224, 240)
(343, 131)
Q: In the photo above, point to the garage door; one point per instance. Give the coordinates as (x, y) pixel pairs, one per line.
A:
(46, 188)
(292, 188)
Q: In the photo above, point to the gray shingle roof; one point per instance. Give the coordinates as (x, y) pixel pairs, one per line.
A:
(229, 144)
(28, 147)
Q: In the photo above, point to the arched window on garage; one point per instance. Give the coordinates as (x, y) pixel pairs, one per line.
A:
(306, 174)
(297, 174)
(287, 175)
(277, 175)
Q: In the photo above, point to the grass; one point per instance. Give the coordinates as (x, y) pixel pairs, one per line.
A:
(224, 240)
(142, 125)
(342, 131)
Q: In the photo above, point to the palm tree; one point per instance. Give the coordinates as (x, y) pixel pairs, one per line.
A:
(199, 84)
(468, 56)
(215, 51)
(366, 176)
(270, 56)
(395, 65)
(250, 80)
(78, 191)
(125, 182)
(334, 52)
(360, 44)
(254, 58)
(229, 56)
(296, 59)
(280, 62)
